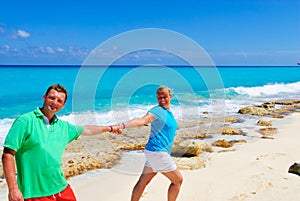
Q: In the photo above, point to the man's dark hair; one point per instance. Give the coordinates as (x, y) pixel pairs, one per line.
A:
(58, 88)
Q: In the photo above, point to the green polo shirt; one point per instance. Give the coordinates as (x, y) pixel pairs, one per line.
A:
(39, 151)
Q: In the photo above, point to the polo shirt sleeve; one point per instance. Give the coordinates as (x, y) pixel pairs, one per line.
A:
(74, 131)
(16, 135)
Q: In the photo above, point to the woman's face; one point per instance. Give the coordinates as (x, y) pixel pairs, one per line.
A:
(164, 99)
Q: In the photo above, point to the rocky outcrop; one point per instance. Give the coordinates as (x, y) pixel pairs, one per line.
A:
(83, 164)
(222, 143)
(231, 131)
(287, 102)
(268, 131)
(227, 144)
(269, 108)
(132, 146)
(190, 148)
(263, 123)
(268, 105)
(295, 169)
(254, 110)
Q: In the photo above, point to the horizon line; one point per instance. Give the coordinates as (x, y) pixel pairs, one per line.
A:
(135, 65)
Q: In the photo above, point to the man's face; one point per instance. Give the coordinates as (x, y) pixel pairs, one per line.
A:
(164, 99)
(54, 101)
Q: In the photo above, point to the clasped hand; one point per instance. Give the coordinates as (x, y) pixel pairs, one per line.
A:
(116, 129)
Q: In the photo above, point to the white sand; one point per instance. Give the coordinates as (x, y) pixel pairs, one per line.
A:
(255, 171)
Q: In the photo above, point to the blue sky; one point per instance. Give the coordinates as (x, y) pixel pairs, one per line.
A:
(232, 32)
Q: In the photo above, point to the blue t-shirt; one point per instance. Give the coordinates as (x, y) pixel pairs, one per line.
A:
(163, 130)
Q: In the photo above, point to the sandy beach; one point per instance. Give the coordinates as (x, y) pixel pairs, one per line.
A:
(104, 167)
(254, 171)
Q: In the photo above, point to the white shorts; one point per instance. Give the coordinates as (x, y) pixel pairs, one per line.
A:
(159, 161)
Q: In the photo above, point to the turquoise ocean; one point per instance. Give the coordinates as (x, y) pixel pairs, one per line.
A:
(106, 95)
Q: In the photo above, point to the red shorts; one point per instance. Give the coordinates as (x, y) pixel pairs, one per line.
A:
(65, 195)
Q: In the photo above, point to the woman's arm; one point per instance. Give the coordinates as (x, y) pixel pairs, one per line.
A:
(138, 122)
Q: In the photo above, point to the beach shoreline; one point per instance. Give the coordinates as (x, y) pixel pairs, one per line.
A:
(97, 170)
(256, 171)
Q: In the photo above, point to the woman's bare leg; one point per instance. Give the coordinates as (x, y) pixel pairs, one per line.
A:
(176, 180)
(143, 181)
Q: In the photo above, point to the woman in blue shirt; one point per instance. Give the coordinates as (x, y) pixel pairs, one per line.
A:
(158, 147)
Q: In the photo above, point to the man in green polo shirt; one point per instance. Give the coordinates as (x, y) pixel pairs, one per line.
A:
(35, 145)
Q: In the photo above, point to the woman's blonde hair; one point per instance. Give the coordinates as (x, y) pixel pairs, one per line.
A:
(164, 89)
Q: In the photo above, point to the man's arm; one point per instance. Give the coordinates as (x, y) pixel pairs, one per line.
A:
(117, 129)
(94, 130)
(9, 168)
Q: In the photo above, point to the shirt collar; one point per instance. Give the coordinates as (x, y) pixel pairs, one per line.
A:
(39, 114)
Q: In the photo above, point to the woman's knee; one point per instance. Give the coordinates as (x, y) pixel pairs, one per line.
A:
(175, 177)
(146, 178)
(179, 179)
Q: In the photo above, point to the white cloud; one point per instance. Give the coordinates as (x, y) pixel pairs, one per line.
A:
(46, 50)
(50, 50)
(6, 47)
(23, 34)
(60, 49)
